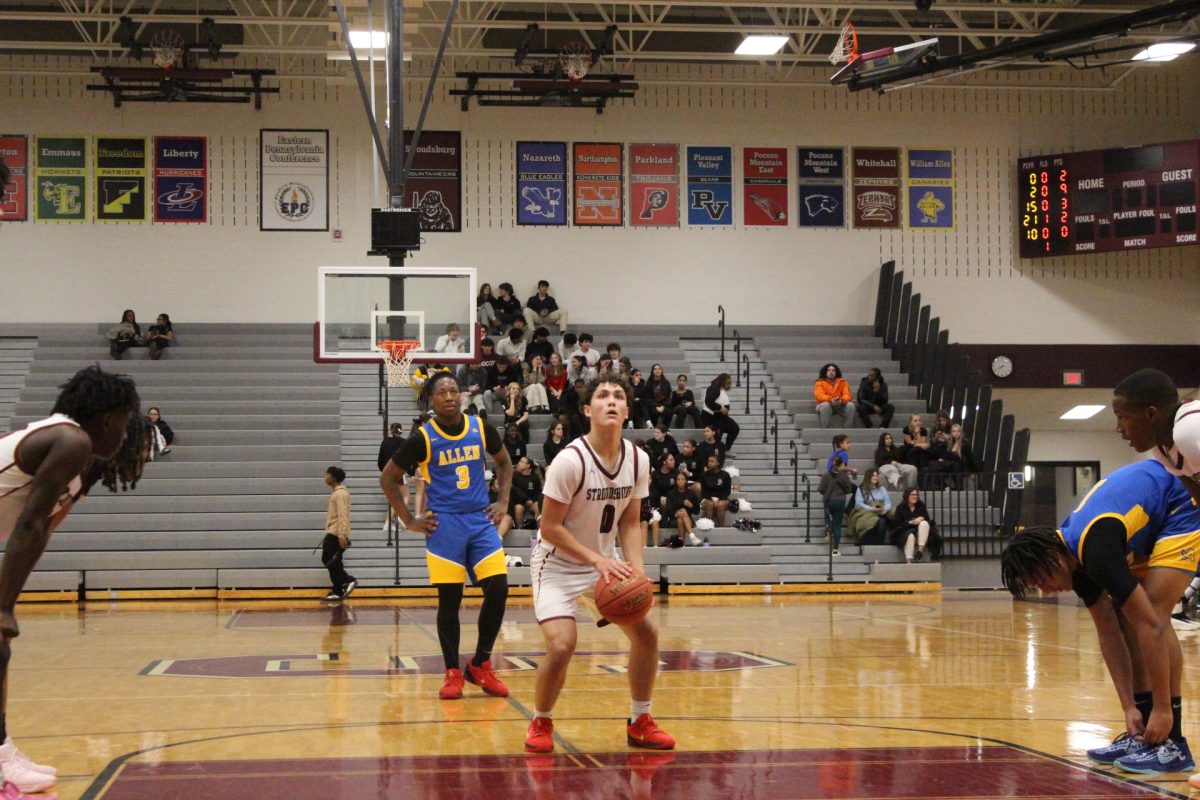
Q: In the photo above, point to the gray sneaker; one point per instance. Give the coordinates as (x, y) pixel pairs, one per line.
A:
(349, 588)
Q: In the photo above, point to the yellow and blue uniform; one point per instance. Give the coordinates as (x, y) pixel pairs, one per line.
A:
(466, 541)
(1161, 523)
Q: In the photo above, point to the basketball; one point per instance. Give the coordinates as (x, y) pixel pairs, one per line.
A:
(624, 601)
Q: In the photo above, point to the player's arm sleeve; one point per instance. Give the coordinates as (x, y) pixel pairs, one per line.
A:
(641, 485)
(491, 439)
(1104, 560)
(411, 453)
(564, 476)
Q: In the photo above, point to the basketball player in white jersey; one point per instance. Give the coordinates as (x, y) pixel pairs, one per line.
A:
(592, 497)
(44, 469)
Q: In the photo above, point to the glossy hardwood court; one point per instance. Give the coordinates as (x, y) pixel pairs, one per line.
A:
(955, 695)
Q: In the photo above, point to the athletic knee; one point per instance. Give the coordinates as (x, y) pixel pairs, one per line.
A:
(560, 646)
(495, 587)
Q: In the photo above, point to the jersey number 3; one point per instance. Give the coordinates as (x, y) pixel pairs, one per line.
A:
(607, 517)
(464, 477)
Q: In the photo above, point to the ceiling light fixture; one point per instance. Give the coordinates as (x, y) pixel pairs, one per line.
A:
(1165, 51)
(1083, 412)
(756, 45)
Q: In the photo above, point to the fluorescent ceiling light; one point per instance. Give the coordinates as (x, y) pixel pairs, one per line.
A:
(761, 45)
(1083, 412)
(1165, 51)
(372, 39)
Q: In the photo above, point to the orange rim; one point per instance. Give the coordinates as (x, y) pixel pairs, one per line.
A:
(398, 347)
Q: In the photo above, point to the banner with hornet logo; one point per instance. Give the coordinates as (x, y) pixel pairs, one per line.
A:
(931, 190)
(434, 184)
(822, 172)
(14, 197)
(60, 178)
(876, 187)
(180, 179)
(541, 183)
(764, 186)
(654, 185)
(293, 180)
(710, 185)
(599, 184)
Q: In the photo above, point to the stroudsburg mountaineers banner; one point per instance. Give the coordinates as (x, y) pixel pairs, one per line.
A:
(654, 185)
(180, 179)
(60, 178)
(435, 180)
(14, 197)
(599, 184)
(541, 183)
(293, 180)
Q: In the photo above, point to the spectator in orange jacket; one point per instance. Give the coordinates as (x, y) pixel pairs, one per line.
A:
(831, 394)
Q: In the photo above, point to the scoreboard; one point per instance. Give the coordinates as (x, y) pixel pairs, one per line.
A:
(1102, 201)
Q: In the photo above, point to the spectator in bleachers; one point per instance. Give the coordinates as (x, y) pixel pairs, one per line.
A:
(578, 371)
(337, 536)
(485, 310)
(495, 396)
(475, 379)
(680, 506)
(657, 398)
(964, 459)
(683, 405)
(579, 422)
(505, 523)
(715, 488)
(662, 478)
(516, 411)
(526, 496)
(625, 366)
(841, 449)
(159, 336)
(716, 410)
(514, 443)
(540, 346)
(637, 408)
(605, 365)
(889, 460)
(590, 354)
(163, 434)
(513, 345)
(837, 490)
(711, 446)
(831, 394)
(868, 523)
(507, 307)
(690, 461)
(873, 399)
(941, 422)
(535, 386)
(450, 341)
(567, 346)
(916, 443)
(556, 382)
(387, 448)
(940, 469)
(614, 351)
(543, 308)
(556, 440)
(662, 442)
(913, 530)
(124, 335)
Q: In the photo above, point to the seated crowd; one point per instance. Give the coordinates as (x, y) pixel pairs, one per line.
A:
(832, 398)
(128, 333)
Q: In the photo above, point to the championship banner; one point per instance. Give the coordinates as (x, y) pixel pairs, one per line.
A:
(180, 179)
(822, 172)
(14, 196)
(764, 186)
(599, 184)
(930, 190)
(121, 179)
(60, 178)
(710, 185)
(435, 180)
(293, 180)
(654, 185)
(541, 183)
(876, 187)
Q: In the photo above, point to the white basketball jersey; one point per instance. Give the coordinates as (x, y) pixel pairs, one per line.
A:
(1183, 458)
(595, 497)
(15, 482)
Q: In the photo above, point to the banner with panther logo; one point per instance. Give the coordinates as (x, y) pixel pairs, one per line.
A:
(599, 184)
(14, 198)
(434, 184)
(541, 183)
(931, 190)
(60, 178)
(710, 185)
(764, 186)
(654, 185)
(876, 187)
(293, 180)
(822, 172)
(180, 179)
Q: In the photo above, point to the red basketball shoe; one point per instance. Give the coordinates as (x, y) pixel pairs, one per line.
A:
(452, 686)
(540, 736)
(485, 678)
(644, 732)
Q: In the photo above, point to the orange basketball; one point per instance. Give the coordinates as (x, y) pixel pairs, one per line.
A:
(624, 601)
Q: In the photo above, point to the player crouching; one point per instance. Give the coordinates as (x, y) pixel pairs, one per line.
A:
(592, 496)
(1143, 511)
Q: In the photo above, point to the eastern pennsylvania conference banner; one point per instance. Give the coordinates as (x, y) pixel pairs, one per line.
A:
(14, 196)
(599, 184)
(930, 189)
(434, 181)
(654, 185)
(876, 187)
(180, 179)
(710, 185)
(822, 172)
(541, 183)
(60, 178)
(293, 180)
(764, 186)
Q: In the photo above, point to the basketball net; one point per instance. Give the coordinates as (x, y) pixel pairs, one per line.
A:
(398, 361)
(168, 47)
(576, 60)
(846, 48)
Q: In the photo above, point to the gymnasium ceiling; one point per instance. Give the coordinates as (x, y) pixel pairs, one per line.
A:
(692, 31)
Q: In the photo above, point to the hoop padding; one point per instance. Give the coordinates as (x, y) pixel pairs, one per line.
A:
(168, 47)
(846, 48)
(398, 360)
(575, 59)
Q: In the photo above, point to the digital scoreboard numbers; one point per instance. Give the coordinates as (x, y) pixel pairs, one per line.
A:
(1103, 201)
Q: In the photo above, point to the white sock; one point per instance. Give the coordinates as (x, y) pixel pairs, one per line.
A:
(1192, 588)
(543, 714)
(637, 708)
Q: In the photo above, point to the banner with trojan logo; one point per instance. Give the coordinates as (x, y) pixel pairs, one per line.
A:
(180, 179)
(654, 185)
(434, 183)
(876, 187)
(931, 190)
(60, 178)
(14, 197)
(293, 180)
(764, 186)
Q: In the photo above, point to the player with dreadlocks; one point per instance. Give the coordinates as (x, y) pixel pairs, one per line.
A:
(94, 432)
(1143, 511)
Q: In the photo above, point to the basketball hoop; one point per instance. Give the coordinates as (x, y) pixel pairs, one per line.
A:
(168, 47)
(398, 361)
(846, 48)
(576, 60)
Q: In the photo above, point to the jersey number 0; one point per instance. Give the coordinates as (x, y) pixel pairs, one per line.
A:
(607, 517)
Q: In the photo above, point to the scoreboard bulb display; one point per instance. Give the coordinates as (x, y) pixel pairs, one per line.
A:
(1045, 221)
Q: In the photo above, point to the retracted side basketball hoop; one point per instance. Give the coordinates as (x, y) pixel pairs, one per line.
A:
(398, 360)
(846, 48)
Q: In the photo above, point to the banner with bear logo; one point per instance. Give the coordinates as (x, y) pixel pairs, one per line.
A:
(180, 179)
(434, 183)
(710, 185)
(654, 185)
(293, 180)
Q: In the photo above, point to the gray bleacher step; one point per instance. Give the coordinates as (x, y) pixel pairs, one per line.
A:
(180, 524)
(243, 485)
(116, 579)
(177, 559)
(841, 568)
(330, 453)
(720, 573)
(898, 573)
(188, 395)
(329, 436)
(237, 407)
(135, 503)
(68, 366)
(53, 581)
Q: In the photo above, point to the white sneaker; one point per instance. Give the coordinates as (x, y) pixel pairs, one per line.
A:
(18, 771)
(46, 768)
(693, 540)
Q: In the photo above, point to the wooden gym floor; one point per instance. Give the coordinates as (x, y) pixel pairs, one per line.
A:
(954, 695)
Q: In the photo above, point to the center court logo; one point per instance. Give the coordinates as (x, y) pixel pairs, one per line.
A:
(294, 201)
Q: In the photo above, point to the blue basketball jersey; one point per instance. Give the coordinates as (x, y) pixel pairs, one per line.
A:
(454, 468)
(1150, 502)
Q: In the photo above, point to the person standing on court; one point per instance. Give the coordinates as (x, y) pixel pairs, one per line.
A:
(461, 539)
(337, 536)
(44, 469)
(593, 497)
(543, 308)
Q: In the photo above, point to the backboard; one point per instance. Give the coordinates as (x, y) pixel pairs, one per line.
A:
(885, 58)
(357, 307)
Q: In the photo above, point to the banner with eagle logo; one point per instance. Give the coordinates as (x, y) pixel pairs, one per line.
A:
(541, 183)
